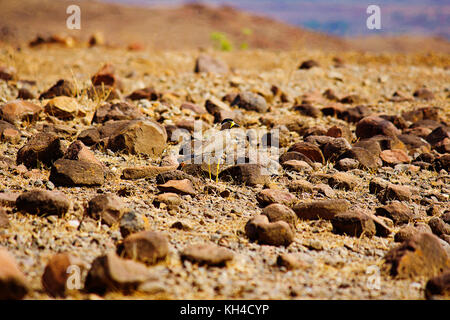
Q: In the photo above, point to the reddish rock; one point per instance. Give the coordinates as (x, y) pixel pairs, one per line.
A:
(193, 107)
(249, 174)
(105, 76)
(279, 212)
(395, 156)
(423, 94)
(116, 111)
(340, 132)
(109, 273)
(182, 187)
(19, 110)
(330, 95)
(8, 199)
(207, 254)
(43, 202)
(269, 196)
(57, 273)
(61, 88)
(366, 159)
(395, 192)
(42, 147)
(396, 211)
(148, 93)
(372, 125)
(72, 173)
(321, 209)
(107, 207)
(10, 135)
(307, 109)
(13, 284)
(311, 151)
(353, 223)
(422, 255)
(271, 233)
(146, 246)
(336, 147)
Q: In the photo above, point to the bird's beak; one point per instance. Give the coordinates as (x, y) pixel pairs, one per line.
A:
(234, 124)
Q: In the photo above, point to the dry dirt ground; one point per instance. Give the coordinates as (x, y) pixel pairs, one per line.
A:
(333, 266)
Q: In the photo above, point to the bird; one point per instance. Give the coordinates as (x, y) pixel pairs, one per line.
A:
(228, 124)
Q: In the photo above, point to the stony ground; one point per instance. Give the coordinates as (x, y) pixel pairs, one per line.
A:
(329, 265)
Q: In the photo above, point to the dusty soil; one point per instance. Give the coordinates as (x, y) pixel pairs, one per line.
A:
(334, 266)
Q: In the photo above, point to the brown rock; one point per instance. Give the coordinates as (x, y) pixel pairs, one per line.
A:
(301, 186)
(346, 164)
(350, 99)
(206, 63)
(250, 101)
(333, 149)
(64, 108)
(7, 73)
(372, 125)
(111, 273)
(57, 273)
(322, 209)
(219, 109)
(8, 199)
(130, 223)
(366, 160)
(4, 221)
(193, 107)
(396, 211)
(307, 109)
(13, 285)
(279, 212)
(105, 76)
(271, 233)
(78, 151)
(353, 223)
(182, 187)
(417, 114)
(409, 231)
(422, 255)
(61, 88)
(423, 94)
(116, 111)
(146, 246)
(343, 180)
(145, 172)
(10, 135)
(395, 192)
(72, 173)
(308, 64)
(107, 207)
(414, 143)
(289, 261)
(19, 110)
(376, 185)
(439, 227)
(43, 202)
(171, 200)
(148, 93)
(42, 147)
(395, 156)
(438, 135)
(340, 132)
(311, 151)
(249, 174)
(140, 137)
(294, 156)
(296, 165)
(207, 254)
(269, 196)
(438, 286)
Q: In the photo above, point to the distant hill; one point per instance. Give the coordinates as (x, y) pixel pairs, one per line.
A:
(189, 26)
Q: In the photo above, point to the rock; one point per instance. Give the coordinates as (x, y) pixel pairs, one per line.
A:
(353, 223)
(396, 211)
(148, 93)
(372, 125)
(43, 202)
(206, 63)
(89, 136)
(394, 157)
(383, 225)
(294, 156)
(7, 73)
(438, 135)
(269, 196)
(370, 145)
(111, 273)
(422, 255)
(78, 151)
(182, 187)
(4, 221)
(249, 174)
(297, 165)
(289, 261)
(171, 200)
(10, 135)
(417, 114)
(336, 147)
(366, 159)
(57, 273)
(19, 110)
(250, 101)
(146, 246)
(174, 175)
(42, 147)
(301, 186)
(105, 77)
(271, 233)
(408, 231)
(108, 208)
(13, 284)
(72, 173)
(96, 39)
(423, 94)
(207, 254)
(439, 227)
(181, 225)
(376, 185)
(415, 143)
(307, 109)
(140, 137)
(311, 151)
(61, 88)
(438, 286)
(145, 172)
(308, 64)
(193, 107)
(8, 199)
(443, 162)
(351, 99)
(343, 180)
(116, 111)
(395, 192)
(64, 108)
(279, 212)
(354, 114)
(321, 209)
(346, 164)
(219, 110)
(130, 223)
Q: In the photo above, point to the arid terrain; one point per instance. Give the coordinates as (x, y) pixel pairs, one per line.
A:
(356, 205)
